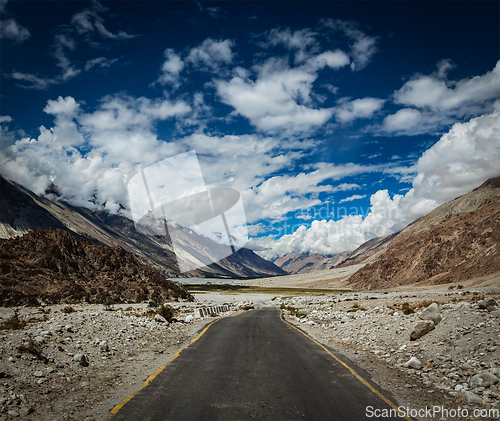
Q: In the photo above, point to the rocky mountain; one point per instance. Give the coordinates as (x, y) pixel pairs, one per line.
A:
(53, 266)
(457, 241)
(22, 211)
(367, 251)
(309, 262)
(306, 262)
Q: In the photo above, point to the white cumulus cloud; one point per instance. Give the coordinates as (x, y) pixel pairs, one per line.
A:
(461, 160)
(9, 28)
(433, 102)
(119, 139)
(363, 46)
(171, 68)
(210, 54)
(302, 41)
(280, 96)
(348, 111)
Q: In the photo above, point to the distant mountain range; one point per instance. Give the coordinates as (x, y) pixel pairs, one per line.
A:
(458, 241)
(22, 211)
(309, 262)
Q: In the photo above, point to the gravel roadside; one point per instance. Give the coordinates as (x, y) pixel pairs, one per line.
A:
(455, 366)
(125, 346)
(78, 362)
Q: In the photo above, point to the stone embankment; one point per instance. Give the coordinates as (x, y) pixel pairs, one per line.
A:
(443, 348)
(77, 362)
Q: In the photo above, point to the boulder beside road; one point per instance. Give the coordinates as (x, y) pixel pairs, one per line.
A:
(421, 328)
(488, 304)
(431, 313)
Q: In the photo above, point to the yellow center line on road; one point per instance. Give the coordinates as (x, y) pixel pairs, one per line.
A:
(353, 372)
(115, 410)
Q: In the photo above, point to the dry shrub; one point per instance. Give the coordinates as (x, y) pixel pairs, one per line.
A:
(32, 348)
(13, 323)
(407, 309)
(166, 311)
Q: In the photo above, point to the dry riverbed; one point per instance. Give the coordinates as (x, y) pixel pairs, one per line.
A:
(121, 348)
(456, 365)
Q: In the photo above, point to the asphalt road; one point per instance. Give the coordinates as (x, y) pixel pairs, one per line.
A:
(255, 367)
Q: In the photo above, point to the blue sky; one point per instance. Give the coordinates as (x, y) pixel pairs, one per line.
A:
(337, 121)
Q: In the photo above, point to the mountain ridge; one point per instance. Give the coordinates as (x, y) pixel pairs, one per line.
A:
(457, 241)
(308, 262)
(22, 211)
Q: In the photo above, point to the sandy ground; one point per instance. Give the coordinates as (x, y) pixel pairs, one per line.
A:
(336, 279)
(328, 279)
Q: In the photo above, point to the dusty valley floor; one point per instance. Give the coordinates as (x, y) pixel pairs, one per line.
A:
(124, 347)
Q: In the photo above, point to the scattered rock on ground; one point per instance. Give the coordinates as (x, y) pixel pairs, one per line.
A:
(421, 328)
(413, 362)
(160, 318)
(469, 397)
(431, 313)
(488, 304)
(81, 359)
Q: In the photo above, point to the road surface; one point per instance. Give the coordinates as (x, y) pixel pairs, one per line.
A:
(256, 367)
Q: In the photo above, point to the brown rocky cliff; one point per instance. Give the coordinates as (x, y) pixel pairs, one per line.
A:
(54, 266)
(457, 241)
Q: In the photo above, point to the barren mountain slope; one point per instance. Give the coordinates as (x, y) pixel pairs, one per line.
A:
(305, 263)
(54, 266)
(246, 263)
(367, 252)
(457, 241)
(22, 211)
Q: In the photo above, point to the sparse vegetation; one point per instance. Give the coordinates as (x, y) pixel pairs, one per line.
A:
(425, 303)
(407, 309)
(13, 323)
(293, 311)
(68, 309)
(109, 305)
(166, 311)
(355, 307)
(32, 348)
(153, 304)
